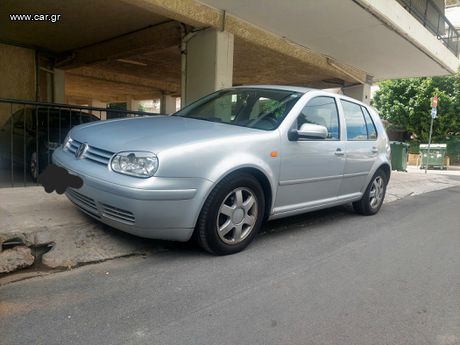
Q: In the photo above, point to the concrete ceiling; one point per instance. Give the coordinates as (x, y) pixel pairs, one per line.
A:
(112, 50)
(340, 29)
(83, 22)
(255, 64)
(151, 73)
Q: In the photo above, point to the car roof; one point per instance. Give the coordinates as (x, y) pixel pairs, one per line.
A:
(276, 87)
(303, 90)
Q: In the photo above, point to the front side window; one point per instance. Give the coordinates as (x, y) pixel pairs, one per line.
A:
(354, 119)
(321, 111)
(254, 108)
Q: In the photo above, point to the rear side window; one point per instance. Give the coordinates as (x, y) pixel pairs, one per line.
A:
(359, 122)
(371, 131)
(354, 119)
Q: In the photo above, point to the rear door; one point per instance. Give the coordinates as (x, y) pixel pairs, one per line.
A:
(361, 147)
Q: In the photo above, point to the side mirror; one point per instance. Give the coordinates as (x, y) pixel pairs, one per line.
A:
(308, 131)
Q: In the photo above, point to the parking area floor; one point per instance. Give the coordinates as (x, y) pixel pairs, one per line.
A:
(328, 277)
(39, 219)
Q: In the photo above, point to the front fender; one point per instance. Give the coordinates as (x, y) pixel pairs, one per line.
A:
(231, 164)
(236, 163)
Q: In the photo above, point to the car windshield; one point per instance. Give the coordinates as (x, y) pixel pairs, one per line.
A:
(254, 108)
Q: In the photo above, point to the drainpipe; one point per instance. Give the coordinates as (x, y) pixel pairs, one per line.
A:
(37, 74)
(185, 37)
(183, 64)
(337, 67)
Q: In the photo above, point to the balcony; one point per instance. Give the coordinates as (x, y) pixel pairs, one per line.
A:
(432, 17)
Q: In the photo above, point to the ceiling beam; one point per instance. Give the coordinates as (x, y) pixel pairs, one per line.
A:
(107, 74)
(156, 37)
(193, 13)
(78, 86)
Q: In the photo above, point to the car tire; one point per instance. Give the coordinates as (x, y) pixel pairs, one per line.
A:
(373, 197)
(231, 215)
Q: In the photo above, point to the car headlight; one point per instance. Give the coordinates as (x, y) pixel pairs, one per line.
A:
(135, 163)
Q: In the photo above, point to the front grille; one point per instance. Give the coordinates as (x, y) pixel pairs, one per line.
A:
(82, 201)
(118, 214)
(90, 206)
(93, 154)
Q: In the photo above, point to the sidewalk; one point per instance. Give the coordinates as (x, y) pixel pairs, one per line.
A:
(415, 181)
(37, 220)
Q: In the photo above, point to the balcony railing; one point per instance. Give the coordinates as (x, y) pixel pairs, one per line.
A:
(31, 131)
(433, 18)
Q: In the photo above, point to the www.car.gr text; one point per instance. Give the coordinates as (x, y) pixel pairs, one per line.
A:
(53, 18)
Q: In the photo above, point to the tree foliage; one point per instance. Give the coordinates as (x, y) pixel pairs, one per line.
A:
(406, 104)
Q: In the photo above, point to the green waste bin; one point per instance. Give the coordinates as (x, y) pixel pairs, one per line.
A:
(399, 155)
(437, 156)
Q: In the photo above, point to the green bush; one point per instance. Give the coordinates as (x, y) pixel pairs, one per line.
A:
(414, 147)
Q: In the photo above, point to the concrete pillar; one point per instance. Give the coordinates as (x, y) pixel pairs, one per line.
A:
(209, 64)
(58, 86)
(133, 104)
(98, 104)
(167, 104)
(360, 92)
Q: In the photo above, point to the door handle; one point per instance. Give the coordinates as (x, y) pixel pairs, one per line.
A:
(375, 150)
(339, 152)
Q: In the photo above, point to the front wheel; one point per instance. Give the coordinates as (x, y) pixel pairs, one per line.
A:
(232, 215)
(373, 197)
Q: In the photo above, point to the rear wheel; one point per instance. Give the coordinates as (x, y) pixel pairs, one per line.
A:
(373, 197)
(232, 215)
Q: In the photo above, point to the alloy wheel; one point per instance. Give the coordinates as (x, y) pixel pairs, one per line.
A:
(377, 191)
(237, 215)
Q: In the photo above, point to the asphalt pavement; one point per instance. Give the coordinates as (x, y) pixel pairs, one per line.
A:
(329, 277)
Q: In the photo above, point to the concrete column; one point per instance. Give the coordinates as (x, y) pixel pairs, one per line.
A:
(167, 104)
(360, 92)
(99, 104)
(209, 64)
(58, 86)
(133, 104)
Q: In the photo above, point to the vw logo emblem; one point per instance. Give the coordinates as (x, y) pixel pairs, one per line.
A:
(81, 150)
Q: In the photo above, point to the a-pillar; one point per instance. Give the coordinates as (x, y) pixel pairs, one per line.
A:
(208, 63)
(361, 92)
(167, 104)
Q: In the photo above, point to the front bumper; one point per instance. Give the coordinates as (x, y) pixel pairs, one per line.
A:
(166, 208)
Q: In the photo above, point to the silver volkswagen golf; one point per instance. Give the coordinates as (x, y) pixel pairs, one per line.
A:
(220, 167)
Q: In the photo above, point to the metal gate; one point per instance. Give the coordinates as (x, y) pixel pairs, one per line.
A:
(31, 131)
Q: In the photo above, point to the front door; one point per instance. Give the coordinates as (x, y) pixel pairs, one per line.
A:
(311, 169)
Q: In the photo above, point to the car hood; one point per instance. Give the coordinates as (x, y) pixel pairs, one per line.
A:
(155, 133)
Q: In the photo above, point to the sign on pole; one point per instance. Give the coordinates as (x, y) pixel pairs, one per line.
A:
(434, 113)
(434, 102)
